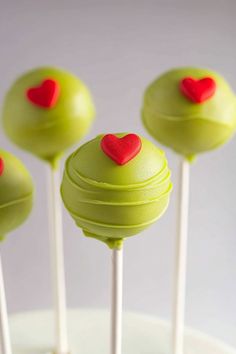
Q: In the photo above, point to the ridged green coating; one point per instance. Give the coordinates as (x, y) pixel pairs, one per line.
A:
(189, 128)
(16, 193)
(111, 202)
(46, 133)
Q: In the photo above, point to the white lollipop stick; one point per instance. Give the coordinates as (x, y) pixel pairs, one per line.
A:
(57, 258)
(116, 301)
(5, 347)
(181, 260)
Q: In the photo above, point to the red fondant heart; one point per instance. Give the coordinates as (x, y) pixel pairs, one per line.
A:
(45, 95)
(1, 166)
(121, 150)
(198, 91)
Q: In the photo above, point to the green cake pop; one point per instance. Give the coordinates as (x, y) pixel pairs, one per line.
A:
(16, 193)
(190, 110)
(46, 111)
(115, 186)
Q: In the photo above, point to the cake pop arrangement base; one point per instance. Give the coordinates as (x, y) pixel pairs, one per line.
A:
(32, 333)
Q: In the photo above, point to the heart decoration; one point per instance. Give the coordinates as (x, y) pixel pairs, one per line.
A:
(1, 166)
(121, 150)
(198, 91)
(45, 95)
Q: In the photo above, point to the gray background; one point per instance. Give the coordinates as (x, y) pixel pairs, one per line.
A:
(117, 48)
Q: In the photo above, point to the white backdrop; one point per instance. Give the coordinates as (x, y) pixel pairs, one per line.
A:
(117, 48)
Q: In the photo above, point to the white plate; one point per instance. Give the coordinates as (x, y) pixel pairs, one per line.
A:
(32, 333)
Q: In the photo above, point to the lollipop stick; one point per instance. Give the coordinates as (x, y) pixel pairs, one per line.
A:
(181, 260)
(116, 301)
(57, 257)
(5, 347)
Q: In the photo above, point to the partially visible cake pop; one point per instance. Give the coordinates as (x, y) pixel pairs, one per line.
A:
(115, 186)
(190, 110)
(16, 193)
(16, 198)
(46, 111)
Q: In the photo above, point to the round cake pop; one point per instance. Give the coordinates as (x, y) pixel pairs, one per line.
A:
(16, 193)
(190, 110)
(115, 186)
(46, 111)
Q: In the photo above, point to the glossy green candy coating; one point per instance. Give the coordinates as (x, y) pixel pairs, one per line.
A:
(47, 132)
(16, 193)
(189, 128)
(111, 202)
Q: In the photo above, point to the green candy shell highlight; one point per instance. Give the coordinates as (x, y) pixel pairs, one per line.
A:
(189, 128)
(16, 194)
(48, 132)
(111, 202)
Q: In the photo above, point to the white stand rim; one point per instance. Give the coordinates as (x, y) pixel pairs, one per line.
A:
(32, 333)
